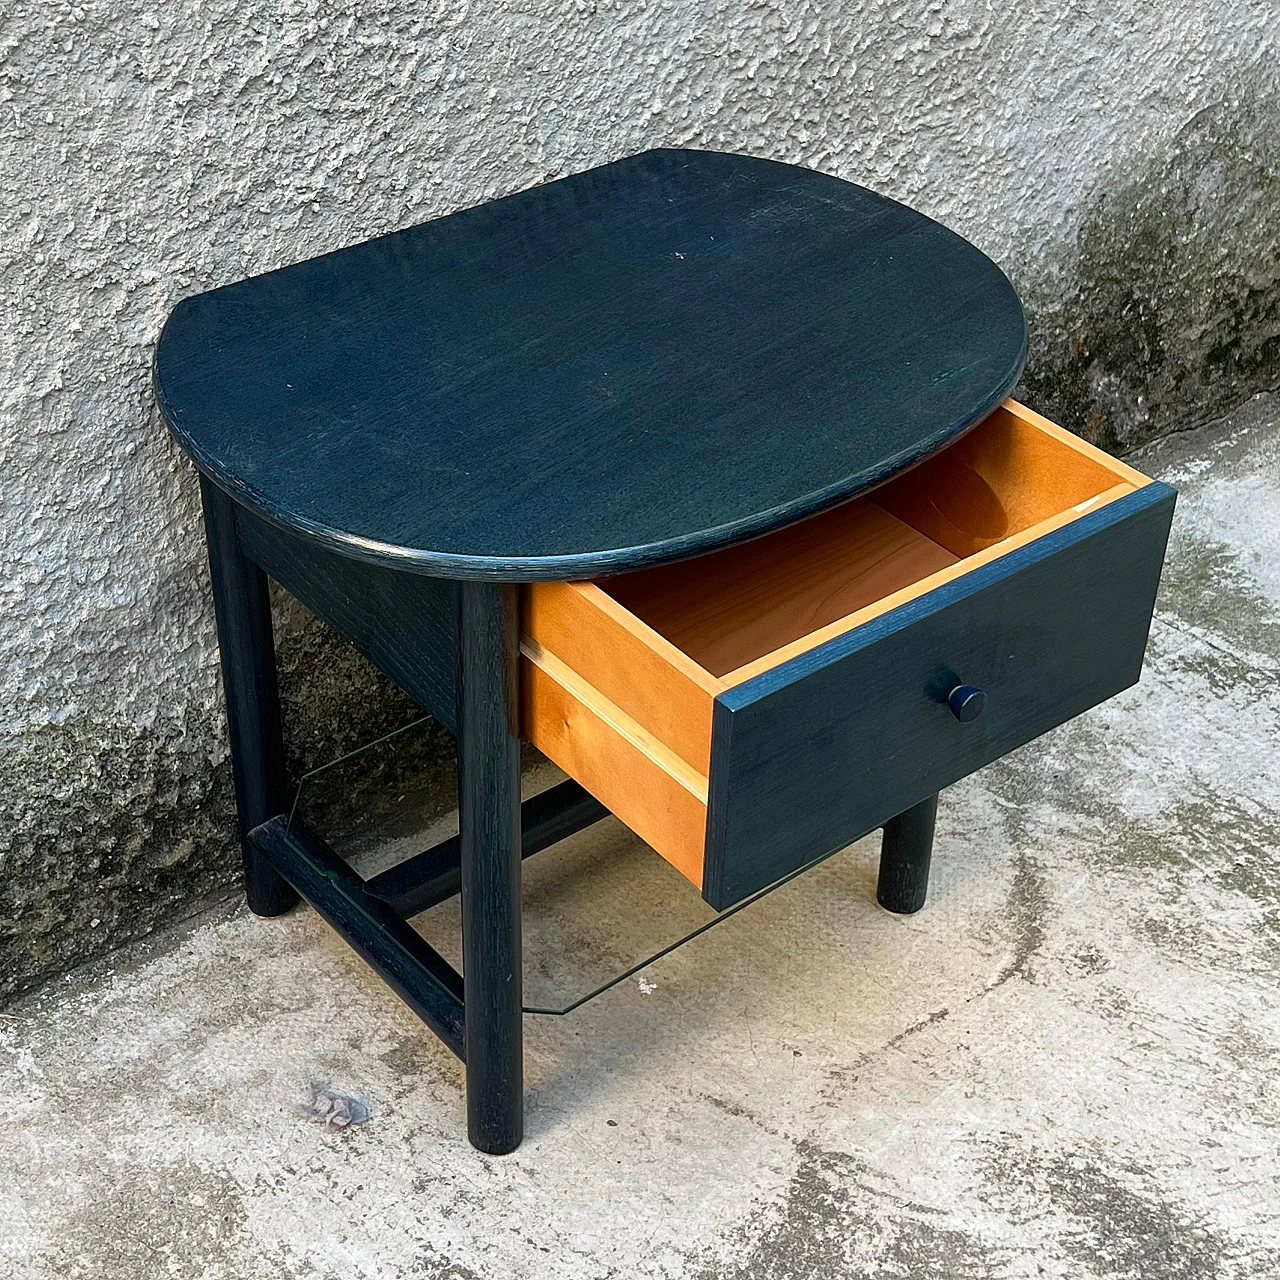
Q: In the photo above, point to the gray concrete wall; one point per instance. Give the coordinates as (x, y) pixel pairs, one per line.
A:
(1119, 159)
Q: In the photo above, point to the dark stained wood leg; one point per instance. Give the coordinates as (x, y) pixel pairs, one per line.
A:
(905, 853)
(489, 834)
(242, 608)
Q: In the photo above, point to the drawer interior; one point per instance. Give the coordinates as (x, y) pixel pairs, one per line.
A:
(731, 610)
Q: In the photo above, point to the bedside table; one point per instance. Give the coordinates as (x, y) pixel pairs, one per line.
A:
(697, 471)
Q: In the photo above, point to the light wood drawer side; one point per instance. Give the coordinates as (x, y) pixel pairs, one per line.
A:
(621, 763)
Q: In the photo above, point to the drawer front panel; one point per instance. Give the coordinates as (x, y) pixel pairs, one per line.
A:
(814, 754)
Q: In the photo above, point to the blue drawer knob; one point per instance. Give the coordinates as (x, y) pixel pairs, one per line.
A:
(966, 702)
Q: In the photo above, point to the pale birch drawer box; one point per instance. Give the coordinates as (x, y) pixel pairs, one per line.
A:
(750, 710)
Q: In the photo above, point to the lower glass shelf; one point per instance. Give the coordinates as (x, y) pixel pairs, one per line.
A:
(598, 908)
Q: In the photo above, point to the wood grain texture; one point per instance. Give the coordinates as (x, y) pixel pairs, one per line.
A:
(404, 623)
(726, 609)
(1068, 439)
(632, 666)
(738, 611)
(414, 970)
(626, 768)
(1007, 474)
(824, 748)
(628, 366)
(246, 652)
(489, 871)
(915, 590)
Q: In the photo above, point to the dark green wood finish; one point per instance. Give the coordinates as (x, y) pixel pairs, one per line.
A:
(906, 850)
(404, 623)
(489, 870)
(833, 744)
(436, 874)
(246, 650)
(634, 364)
(418, 974)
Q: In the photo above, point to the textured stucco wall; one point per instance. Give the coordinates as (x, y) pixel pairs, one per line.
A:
(1119, 158)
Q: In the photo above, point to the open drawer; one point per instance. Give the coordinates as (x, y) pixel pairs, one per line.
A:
(750, 710)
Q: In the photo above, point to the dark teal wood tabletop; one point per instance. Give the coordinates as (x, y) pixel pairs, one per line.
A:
(630, 365)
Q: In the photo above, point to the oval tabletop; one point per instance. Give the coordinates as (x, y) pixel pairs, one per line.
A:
(633, 364)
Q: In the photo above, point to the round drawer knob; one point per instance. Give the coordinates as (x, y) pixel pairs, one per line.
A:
(966, 702)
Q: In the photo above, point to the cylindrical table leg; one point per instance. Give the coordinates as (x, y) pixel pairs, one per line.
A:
(489, 834)
(905, 853)
(242, 609)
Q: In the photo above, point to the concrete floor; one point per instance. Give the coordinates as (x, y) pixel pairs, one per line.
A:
(1064, 1066)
